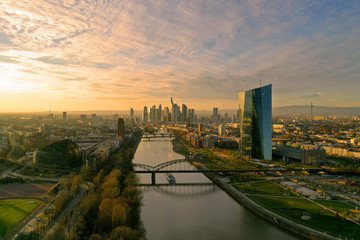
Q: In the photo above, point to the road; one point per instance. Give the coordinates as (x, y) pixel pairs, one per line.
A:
(66, 211)
(37, 178)
(30, 224)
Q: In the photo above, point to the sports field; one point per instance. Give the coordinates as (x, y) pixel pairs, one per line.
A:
(12, 211)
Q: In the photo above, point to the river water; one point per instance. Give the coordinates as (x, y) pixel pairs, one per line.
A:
(188, 210)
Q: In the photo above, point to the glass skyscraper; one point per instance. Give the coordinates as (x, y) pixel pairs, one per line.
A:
(255, 115)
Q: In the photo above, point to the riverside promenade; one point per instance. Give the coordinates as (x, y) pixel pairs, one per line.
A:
(274, 218)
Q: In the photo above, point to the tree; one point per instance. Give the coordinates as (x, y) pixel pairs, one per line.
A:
(120, 214)
(59, 202)
(75, 184)
(133, 196)
(124, 233)
(95, 237)
(110, 187)
(86, 173)
(98, 179)
(106, 206)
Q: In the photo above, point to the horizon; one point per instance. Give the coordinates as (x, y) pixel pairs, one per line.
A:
(109, 55)
(140, 110)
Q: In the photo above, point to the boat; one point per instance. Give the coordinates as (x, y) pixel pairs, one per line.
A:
(170, 178)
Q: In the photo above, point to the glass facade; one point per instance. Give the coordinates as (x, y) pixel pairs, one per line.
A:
(255, 115)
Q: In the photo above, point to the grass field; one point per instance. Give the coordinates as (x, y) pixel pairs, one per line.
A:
(336, 205)
(321, 219)
(263, 188)
(12, 211)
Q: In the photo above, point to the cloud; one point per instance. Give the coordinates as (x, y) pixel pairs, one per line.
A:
(207, 49)
(7, 59)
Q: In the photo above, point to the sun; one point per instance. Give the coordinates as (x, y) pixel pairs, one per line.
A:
(14, 80)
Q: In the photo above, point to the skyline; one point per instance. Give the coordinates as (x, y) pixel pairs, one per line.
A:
(87, 55)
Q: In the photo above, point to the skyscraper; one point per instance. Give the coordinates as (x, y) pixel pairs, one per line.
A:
(184, 113)
(255, 116)
(191, 115)
(132, 118)
(215, 115)
(159, 113)
(121, 128)
(145, 115)
(64, 116)
(166, 115)
(153, 113)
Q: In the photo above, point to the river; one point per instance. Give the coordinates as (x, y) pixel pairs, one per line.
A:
(194, 211)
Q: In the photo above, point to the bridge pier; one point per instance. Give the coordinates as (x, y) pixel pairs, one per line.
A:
(153, 178)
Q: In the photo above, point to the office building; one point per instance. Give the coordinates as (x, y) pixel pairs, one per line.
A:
(64, 116)
(191, 115)
(184, 113)
(153, 114)
(145, 118)
(159, 114)
(166, 115)
(121, 128)
(222, 129)
(216, 116)
(132, 117)
(255, 116)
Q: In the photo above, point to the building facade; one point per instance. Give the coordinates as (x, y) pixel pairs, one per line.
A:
(255, 116)
(121, 128)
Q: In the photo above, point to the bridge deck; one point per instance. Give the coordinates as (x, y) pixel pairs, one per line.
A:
(229, 171)
(174, 184)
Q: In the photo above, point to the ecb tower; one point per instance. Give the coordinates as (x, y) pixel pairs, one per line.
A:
(255, 114)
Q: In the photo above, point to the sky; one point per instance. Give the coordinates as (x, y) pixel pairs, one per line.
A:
(66, 55)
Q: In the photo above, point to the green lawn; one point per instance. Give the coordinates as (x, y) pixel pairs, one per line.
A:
(12, 211)
(321, 219)
(263, 188)
(336, 205)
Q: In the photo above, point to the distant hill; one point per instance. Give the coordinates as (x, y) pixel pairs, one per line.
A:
(304, 110)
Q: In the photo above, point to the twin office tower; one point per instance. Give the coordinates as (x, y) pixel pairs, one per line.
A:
(255, 114)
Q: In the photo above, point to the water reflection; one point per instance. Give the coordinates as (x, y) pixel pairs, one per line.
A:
(188, 211)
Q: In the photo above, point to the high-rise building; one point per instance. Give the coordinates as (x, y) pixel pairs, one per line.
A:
(132, 117)
(166, 117)
(121, 128)
(255, 116)
(215, 116)
(83, 117)
(159, 114)
(145, 115)
(184, 113)
(191, 115)
(153, 113)
(64, 116)
(200, 127)
(222, 129)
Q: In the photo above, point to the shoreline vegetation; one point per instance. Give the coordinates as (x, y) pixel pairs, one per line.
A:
(111, 209)
(327, 217)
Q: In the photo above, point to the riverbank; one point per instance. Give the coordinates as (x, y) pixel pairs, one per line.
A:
(264, 212)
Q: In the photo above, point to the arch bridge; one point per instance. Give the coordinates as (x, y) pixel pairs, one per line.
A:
(183, 166)
(149, 136)
(181, 189)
